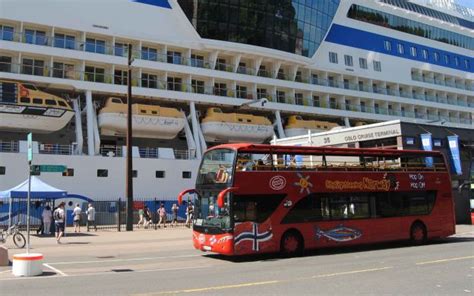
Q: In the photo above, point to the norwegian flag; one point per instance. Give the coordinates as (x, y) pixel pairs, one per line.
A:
(254, 235)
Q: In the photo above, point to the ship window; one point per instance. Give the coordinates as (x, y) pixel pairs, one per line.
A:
(387, 45)
(37, 101)
(363, 63)
(134, 174)
(118, 101)
(401, 48)
(62, 104)
(143, 111)
(154, 112)
(186, 175)
(50, 102)
(241, 120)
(68, 173)
(436, 56)
(3, 170)
(102, 173)
(333, 57)
(160, 174)
(25, 100)
(217, 110)
(297, 117)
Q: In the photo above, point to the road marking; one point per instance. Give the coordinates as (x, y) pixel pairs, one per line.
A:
(54, 269)
(103, 273)
(445, 260)
(251, 284)
(349, 272)
(122, 260)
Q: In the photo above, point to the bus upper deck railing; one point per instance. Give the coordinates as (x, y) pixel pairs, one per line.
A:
(346, 166)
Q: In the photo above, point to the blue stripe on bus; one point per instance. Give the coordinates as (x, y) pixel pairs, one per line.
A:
(374, 42)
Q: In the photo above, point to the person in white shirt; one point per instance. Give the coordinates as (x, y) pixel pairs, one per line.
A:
(76, 213)
(58, 216)
(47, 217)
(91, 217)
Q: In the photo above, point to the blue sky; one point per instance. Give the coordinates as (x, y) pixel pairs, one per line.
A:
(466, 3)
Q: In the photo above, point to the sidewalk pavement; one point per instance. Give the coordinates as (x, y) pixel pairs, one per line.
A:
(106, 242)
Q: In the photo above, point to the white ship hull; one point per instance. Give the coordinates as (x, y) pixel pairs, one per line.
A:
(113, 124)
(234, 132)
(52, 120)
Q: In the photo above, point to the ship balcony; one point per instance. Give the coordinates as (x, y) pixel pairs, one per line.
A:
(103, 76)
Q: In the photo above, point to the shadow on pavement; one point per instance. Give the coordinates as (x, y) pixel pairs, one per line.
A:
(339, 250)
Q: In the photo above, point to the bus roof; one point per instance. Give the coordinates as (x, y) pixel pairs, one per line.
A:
(265, 148)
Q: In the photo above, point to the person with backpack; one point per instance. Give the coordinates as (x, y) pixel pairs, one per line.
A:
(58, 216)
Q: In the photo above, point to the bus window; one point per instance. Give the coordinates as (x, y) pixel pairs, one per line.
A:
(216, 167)
(255, 208)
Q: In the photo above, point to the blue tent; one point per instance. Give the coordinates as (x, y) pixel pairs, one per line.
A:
(39, 190)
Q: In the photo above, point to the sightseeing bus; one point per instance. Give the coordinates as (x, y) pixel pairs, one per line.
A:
(252, 199)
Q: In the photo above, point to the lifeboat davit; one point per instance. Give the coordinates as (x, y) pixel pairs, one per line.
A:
(25, 108)
(297, 126)
(235, 127)
(148, 121)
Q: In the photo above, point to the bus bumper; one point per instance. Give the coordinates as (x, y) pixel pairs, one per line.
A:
(217, 243)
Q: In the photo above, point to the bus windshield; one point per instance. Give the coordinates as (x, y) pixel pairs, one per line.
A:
(216, 167)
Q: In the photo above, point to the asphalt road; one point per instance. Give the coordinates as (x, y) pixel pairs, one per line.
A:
(172, 267)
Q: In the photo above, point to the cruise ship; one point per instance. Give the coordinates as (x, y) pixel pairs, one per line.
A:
(206, 72)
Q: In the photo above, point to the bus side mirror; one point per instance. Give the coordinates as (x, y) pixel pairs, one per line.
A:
(184, 192)
(220, 197)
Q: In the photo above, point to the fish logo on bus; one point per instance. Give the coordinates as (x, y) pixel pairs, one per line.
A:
(339, 234)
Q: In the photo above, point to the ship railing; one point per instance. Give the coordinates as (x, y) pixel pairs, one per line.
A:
(102, 77)
(106, 47)
(156, 152)
(56, 149)
(9, 146)
(111, 151)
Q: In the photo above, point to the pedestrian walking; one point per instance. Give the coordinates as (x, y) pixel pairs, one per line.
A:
(146, 217)
(174, 211)
(47, 217)
(76, 214)
(58, 216)
(141, 218)
(189, 214)
(162, 214)
(90, 212)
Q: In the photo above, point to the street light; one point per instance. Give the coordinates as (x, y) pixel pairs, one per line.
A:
(129, 166)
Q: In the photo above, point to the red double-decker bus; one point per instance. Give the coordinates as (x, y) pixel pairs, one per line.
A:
(253, 199)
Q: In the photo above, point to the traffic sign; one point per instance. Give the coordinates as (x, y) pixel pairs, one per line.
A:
(48, 168)
(30, 147)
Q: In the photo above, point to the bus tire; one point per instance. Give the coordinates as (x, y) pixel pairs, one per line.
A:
(292, 244)
(418, 234)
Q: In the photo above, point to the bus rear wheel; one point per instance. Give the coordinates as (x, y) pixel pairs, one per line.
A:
(291, 244)
(418, 233)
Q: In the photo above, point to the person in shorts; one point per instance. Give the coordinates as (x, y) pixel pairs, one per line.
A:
(76, 214)
(174, 211)
(58, 216)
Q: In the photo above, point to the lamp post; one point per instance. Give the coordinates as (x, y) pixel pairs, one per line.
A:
(129, 166)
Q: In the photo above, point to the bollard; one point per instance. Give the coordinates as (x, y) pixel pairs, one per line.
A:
(4, 256)
(27, 264)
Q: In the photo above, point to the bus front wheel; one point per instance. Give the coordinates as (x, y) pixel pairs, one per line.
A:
(291, 244)
(418, 233)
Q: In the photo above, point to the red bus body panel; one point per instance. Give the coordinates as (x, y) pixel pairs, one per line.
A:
(254, 238)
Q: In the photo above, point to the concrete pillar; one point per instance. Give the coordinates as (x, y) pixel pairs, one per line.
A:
(90, 123)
